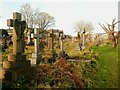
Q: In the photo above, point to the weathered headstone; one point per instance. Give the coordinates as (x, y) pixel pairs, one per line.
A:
(79, 41)
(36, 56)
(62, 52)
(29, 40)
(61, 41)
(97, 40)
(83, 44)
(16, 60)
(52, 43)
(29, 36)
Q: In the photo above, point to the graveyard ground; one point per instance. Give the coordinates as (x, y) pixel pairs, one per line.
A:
(107, 76)
(103, 73)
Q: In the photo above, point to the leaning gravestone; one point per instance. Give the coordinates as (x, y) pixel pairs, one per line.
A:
(17, 62)
(36, 56)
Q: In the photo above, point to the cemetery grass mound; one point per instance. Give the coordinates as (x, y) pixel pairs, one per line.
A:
(107, 76)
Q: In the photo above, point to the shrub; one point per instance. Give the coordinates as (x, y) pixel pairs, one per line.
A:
(61, 74)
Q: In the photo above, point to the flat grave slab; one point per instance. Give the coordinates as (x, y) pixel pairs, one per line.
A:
(78, 60)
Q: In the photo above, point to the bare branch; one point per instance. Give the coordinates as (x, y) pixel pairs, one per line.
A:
(104, 28)
(113, 20)
(117, 22)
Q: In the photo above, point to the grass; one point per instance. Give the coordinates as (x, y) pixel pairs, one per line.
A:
(107, 60)
(107, 76)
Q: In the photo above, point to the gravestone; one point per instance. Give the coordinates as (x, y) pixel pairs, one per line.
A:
(61, 41)
(97, 40)
(29, 40)
(62, 52)
(29, 37)
(16, 62)
(83, 44)
(79, 41)
(52, 43)
(36, 56)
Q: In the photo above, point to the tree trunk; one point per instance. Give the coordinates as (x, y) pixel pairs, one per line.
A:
(114, 40)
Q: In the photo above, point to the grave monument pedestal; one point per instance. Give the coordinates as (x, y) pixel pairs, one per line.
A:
(16, 61)
(36, 58)
(15, 66)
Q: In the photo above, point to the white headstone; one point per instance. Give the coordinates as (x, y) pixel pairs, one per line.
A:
(36, 56)
(28, 37)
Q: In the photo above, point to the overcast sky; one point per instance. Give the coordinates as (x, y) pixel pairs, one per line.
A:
(66, 12)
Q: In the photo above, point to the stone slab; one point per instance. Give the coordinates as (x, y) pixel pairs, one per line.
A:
(16, 65)
(77, 60)
(36, 55)
(13, 75)
(34, 61)
(13, 57)
(36, 58)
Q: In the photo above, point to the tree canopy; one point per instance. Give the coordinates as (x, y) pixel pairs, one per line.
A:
(80, 26)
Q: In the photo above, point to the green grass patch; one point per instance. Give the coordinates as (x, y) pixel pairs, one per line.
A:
(107, 76)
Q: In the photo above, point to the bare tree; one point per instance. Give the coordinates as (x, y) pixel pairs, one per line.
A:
(110, 30)
(43, 20)
(80, 26)
(27, 15)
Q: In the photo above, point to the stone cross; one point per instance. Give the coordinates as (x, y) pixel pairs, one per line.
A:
(17, 60)
(36, 56)
(37, 36)
(18, 33)
(61, 46)
(83, 44)
(62, 52)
